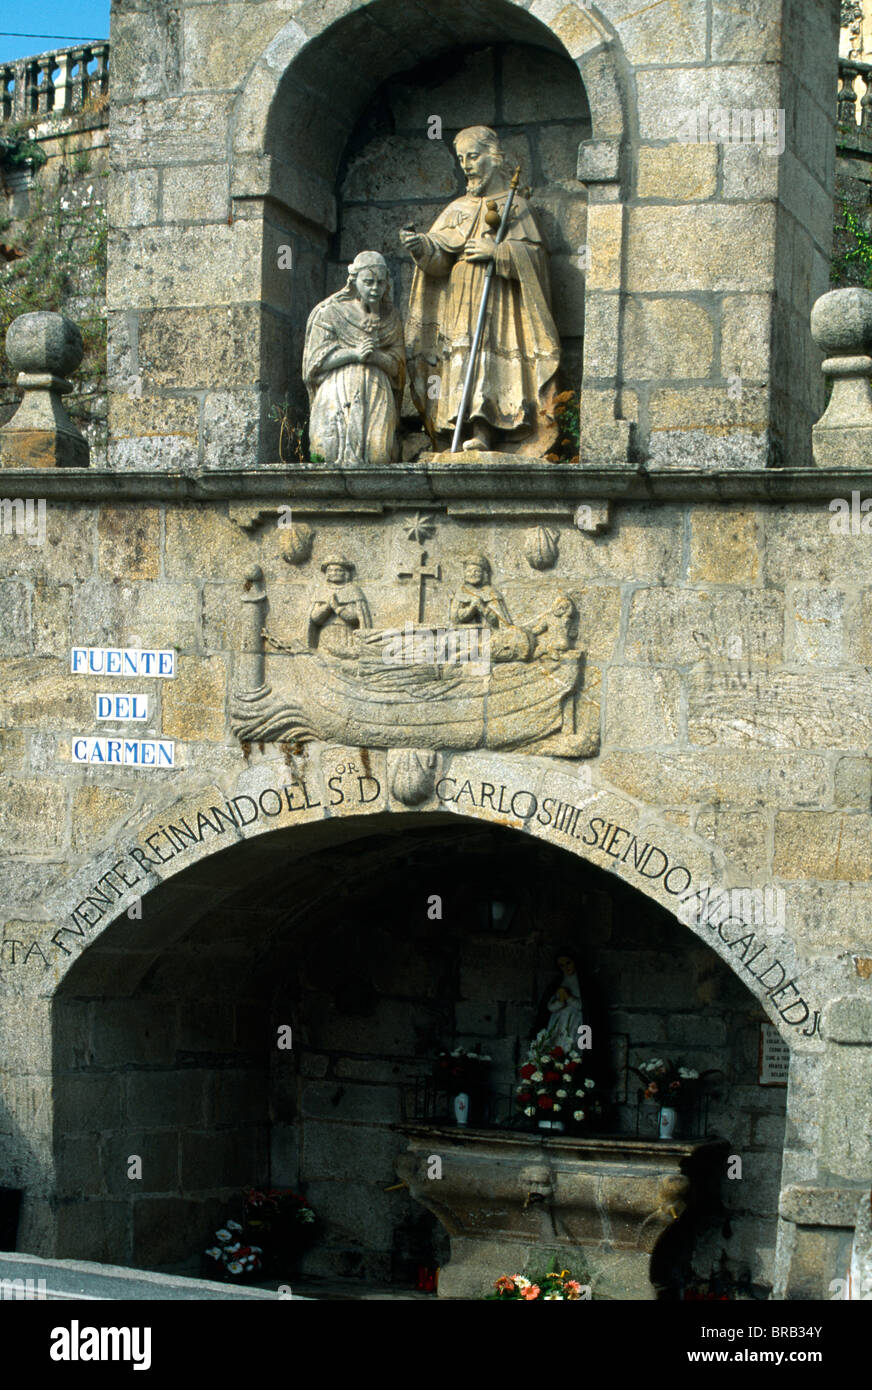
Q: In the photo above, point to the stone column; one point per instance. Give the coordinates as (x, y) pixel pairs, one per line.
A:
(818, 1216)
(251, 671)
(43, 348)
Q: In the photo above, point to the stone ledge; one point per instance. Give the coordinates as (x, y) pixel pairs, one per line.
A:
(804, 1204)
(401, 484)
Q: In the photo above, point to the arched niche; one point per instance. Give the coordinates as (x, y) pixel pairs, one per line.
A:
(313, 103)
(163, 1030)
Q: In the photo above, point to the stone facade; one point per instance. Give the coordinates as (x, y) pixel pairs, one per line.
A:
(723, 636)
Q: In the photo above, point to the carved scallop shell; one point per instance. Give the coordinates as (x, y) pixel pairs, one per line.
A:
(413, 775)
(298, 540)
(540, 547)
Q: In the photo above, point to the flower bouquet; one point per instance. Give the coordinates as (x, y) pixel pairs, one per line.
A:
(283, 1221)
(515, 1288)
(671, 1086)
(231, 1259)
(554, 1090)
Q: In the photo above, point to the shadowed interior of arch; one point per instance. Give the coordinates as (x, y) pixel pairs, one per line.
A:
(377, 943)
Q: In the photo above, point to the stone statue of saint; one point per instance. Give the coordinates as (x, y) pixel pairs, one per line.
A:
(339, 610)
(564, 1008)
(520, 352)
(476, 601)
(354, 367)
(479, 604)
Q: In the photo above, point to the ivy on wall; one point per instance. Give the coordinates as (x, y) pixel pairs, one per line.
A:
(17, 149)
(852, 258)
(56, 259)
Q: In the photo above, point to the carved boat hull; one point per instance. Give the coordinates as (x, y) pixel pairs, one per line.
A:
(364, 702)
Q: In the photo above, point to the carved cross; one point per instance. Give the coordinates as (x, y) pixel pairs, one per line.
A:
(422, 574)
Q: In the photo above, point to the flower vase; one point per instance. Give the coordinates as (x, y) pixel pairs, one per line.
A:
(461, 1108)
(666, 1123)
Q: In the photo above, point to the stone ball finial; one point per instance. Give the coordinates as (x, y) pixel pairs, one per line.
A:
(44, 344)
(841, 321)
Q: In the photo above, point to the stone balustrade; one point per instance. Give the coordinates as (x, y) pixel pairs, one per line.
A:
(854, 98)
(56, 83)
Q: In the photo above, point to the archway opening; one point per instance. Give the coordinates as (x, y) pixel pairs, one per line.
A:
(378, 944)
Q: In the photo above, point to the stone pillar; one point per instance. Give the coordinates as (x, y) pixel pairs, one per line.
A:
(43, 348)
(841, 324)
(818, 1217)
(251, 672)
(815, 1248)
(847, 1102)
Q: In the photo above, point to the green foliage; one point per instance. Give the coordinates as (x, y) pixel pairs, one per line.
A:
(17, 149)
(854, 265)
(566, 415)
(63, 241)
(293, 432)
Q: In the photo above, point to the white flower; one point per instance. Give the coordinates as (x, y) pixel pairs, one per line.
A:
(588, 1085)
(307, 1214)
(214, 1253)
(537, 1076)
(223, 1236)
(553, 1294)
(520, 1281)
(530, 1110)
(557, 1107)
(232, 1249)
(688, 1073)
(233, 1226)
(578, 1114)
(561, 1094)
(235, 1267)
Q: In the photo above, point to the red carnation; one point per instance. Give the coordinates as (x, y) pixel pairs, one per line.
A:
(545, 1103)
(525, 1097)
(527, 1070)
(557, 1052)
(552, 1075)
(572, 1066)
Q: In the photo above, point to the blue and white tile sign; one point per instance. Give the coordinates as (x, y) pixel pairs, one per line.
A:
(122, 707)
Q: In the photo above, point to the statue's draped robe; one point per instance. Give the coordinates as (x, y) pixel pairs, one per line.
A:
(355, 408)
(520, 349)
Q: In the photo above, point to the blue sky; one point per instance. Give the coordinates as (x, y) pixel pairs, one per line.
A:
(76, 18)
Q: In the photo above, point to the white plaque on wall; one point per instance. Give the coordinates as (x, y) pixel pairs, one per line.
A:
(774, 1058)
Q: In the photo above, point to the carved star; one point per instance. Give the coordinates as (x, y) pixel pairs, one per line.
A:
(419, 528)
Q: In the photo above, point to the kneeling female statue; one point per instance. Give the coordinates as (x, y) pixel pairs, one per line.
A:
(354, 366)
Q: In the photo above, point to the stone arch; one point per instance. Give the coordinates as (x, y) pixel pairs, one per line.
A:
(160, 1020)
(287, 142)
(297, 55)
(330, 787)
